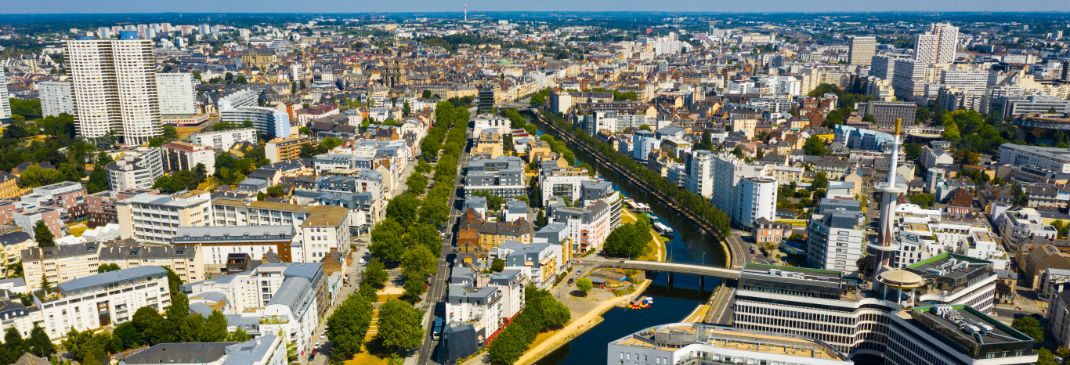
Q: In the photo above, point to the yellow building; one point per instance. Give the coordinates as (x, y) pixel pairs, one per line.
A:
(289, 148)
(9, 187)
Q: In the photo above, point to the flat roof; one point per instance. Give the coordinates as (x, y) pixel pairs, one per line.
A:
(672, 337)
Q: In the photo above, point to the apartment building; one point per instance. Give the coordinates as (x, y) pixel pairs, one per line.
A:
(176, 93)
(187, 262)
(114, 88)
(218, 243)
(58, 264)
(155, 218)
(286, 148)
(836, 235)
(98, 300)
(182, 156)
(56, 98)
(137, 169)
(319, 229)
(272, 299)
(502, 176)
(224, 140)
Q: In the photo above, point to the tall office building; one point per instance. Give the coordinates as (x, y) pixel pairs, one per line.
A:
(860, 50)
(176, 93)
(56, 98)
(938, 45)
(836, 235)
(486, 100)
(5, 104)
(114, 84)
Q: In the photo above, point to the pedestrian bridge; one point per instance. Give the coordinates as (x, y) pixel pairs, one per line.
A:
(667, 267)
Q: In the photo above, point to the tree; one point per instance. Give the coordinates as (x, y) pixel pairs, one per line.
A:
(584, 285)
(497, 265)
(107, 267)
(387, 242)
(1045, 357)
(815, 146)
(406, 109)
(239, 335)
(13, 340)
(951, 131)
(628, 240)
(1061, 227)
(418, 261)
(1030, 326)
(215, 328)
(375, 274)
(426, 94)
(425, 235)
(39, 344)
(403, 209)
(127, 335)
(347, 326)
(43, 235)
(821, 181)
(923, 200)
(399, 327)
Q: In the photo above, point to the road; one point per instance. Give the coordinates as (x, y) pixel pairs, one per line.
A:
(440, 282)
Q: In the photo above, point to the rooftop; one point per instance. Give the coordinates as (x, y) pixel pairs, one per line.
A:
(672, 337)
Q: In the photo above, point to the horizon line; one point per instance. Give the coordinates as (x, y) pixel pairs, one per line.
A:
(1039, 11)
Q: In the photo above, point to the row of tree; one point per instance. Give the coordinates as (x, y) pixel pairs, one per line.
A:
(542, 312)
(686, 200)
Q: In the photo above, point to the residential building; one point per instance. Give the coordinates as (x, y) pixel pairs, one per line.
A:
(268, 349)
(700, 173)
(757, 200)
(562, 183)
(137, 169)
(186, 262)
(860, 50)
(114, 88)
(95, 301)
(242, 106)
(56, 98)
(502, 176)
(938, 45)
(886, 113)
(272, 299)
(155, 218)
(58, 264)
(183, 156)
(176, 93)
(319, 229)
(218, 243)
(1059, 318)
(224, 140)
(5, 103)
(286, 148)
(698, 343)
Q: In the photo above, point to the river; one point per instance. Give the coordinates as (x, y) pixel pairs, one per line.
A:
(671, 303)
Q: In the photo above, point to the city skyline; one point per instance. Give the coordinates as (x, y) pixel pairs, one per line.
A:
(475, 6)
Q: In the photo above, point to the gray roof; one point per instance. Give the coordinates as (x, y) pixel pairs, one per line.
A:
(234, 233)
(250, 351)
(181, 353)
(291, 294)
(111, 277)
(16, 237)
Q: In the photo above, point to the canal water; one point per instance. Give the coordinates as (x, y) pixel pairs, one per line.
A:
(671, 302)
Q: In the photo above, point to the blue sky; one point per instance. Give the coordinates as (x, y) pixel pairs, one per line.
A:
(317, 6)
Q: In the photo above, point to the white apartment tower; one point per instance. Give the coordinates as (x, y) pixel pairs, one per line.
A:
(861, 50)
(757, 199)
(176, 93)
(700, 173)
(114, 88)
(55, 97)
(5, 104)
(938, 45)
